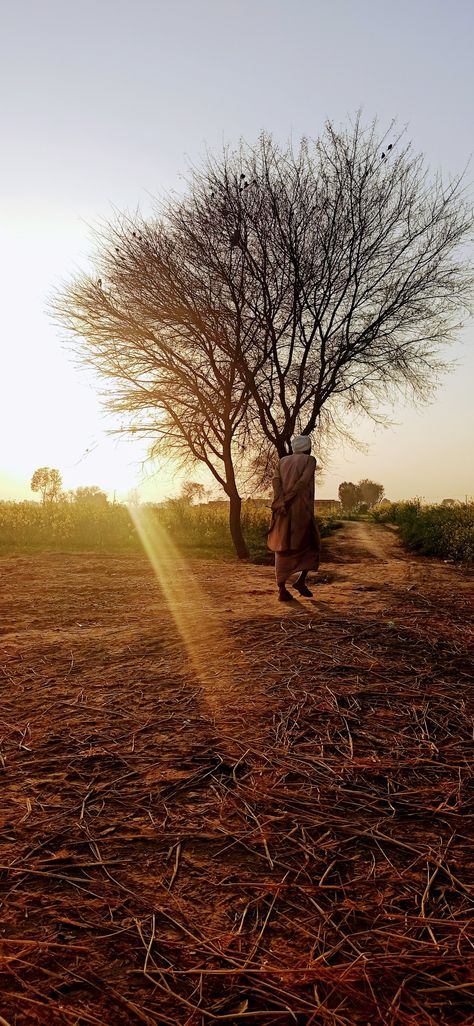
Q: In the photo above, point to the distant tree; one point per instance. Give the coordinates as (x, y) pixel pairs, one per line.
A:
(47, 481)
(133, 497)
(348, 496)
(91, 495)
(369, 492)
(192, 491)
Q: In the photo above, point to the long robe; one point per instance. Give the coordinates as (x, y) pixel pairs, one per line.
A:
(294, 536)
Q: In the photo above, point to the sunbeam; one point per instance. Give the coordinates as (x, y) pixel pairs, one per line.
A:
(208, 645)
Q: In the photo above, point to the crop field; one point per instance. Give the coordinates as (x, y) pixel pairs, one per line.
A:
(63, 526)
(219, 809)
(446, 531)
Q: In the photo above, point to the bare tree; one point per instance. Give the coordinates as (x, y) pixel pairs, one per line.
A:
(193, 491)
(284, 288)
(348, 272)
(156, 326)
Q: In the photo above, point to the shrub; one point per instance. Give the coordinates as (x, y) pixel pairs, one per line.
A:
(445, 531)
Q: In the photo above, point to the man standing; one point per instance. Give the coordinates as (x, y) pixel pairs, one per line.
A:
(293, 535)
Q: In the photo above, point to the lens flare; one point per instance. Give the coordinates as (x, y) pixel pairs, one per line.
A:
(210, 650)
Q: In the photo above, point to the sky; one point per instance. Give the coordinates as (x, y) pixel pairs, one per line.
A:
(105, 105)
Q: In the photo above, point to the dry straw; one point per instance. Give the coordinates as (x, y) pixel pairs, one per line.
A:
(309, 860)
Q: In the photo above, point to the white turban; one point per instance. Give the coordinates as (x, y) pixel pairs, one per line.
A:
(301, 443)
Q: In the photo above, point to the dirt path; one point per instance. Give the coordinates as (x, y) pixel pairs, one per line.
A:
(217, 807)
(364, 566)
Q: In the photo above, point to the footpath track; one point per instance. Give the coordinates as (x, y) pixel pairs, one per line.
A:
(217, 808)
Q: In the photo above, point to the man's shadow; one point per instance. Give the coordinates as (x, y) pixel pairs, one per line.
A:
(318, 604)
(309, 605)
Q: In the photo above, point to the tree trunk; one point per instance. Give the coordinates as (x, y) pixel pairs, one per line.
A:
(236, 526)
(230, 488)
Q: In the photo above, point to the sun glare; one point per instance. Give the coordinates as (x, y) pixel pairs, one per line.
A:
(211, 653)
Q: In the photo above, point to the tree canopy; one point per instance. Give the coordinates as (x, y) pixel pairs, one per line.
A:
(365, 493)
(193, 491)
(284, 289)
(90, 496)
(370, 492)
(348, 495)
(47, 481)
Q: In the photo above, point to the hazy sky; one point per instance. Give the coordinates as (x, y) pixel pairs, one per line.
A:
(105, 103)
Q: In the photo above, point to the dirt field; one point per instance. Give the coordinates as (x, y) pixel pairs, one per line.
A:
(217, 808)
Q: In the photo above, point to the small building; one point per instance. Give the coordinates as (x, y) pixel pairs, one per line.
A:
(323, 505)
